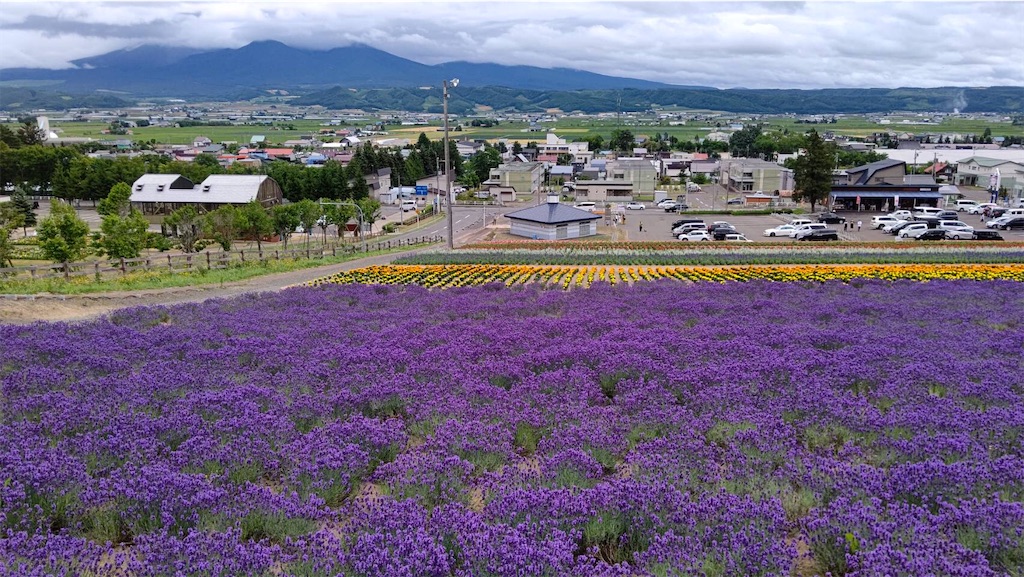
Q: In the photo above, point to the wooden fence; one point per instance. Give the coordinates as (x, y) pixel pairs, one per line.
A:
(176, 263)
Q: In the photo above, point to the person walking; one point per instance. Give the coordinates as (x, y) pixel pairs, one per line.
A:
(858, 225)
(844, 226)
(641, 227)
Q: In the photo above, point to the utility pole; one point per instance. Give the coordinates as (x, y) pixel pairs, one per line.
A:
(448, 166)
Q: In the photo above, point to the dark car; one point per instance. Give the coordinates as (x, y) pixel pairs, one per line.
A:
(995, 212)
(677, 208)
(718, 233)
(987, 235)
(947, 215)
(821, 234)
(831, 218)
(683, 221)
(736, 200)
(932, 234)
(1013, 223)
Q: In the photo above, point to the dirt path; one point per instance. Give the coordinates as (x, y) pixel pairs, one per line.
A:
(32, 308)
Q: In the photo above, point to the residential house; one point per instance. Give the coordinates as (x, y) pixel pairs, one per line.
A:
(980, 171)
(942, 171)
(580, 151)
(641, 172)
(605, 190)
(523, 177)
(753, 174)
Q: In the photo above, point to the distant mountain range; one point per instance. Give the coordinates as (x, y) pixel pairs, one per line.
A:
(360, 76)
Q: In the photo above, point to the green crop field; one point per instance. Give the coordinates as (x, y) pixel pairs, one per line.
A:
(568, 128)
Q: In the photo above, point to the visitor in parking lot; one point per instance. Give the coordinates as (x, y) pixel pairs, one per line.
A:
(844, 226)
(858, 225)
(641, 227)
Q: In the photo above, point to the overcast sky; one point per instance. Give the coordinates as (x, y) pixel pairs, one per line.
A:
(816, 44)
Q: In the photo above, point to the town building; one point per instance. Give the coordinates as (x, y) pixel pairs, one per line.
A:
(162, 194)
(552, 221)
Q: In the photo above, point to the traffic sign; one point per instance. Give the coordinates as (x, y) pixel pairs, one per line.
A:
(421, 191)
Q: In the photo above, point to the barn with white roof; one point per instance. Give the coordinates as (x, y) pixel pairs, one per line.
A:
(161, 194)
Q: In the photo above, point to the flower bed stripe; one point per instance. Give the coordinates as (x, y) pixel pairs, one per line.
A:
(566, 277)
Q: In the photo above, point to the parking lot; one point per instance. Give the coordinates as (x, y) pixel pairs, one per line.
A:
(656, 225)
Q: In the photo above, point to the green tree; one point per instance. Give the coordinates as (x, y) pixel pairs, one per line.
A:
(223, 225)
(813, 171)
(10, 219)
(285, 218)
(123, 231)
(622, 140)
(30, 134)
(309, 213)
(254, 222)
(187, 225)
(371, 211)
(19, 201)
(742, 142)
(62, 235)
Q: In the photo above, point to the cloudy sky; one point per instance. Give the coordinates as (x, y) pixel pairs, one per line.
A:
(816, 44)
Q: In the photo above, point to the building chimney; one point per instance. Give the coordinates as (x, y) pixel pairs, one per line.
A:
(552, 198)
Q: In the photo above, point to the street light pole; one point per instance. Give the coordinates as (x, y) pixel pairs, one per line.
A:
(448, 165)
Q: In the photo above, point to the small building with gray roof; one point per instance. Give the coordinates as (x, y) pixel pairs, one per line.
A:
(162, 194)
(552, 221)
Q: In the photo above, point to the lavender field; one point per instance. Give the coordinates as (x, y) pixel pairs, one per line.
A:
(869, 428)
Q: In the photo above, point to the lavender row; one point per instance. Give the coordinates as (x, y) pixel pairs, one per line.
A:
(720, 429)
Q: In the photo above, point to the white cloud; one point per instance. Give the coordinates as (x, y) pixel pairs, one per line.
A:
(754, 45)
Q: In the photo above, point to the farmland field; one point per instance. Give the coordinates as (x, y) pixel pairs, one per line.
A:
(567, 127)
(869, 427)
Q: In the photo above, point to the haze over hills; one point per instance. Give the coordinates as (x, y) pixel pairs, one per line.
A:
(360, 76)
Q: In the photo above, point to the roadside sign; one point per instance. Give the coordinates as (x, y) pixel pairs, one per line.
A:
(421, 190)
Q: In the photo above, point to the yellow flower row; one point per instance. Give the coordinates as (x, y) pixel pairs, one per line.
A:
(569, 277)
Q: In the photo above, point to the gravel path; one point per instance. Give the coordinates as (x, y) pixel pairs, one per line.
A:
(24, 309)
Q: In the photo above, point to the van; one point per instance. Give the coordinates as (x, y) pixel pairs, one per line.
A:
(962, 205)
(926, 211)
(800, 221)
(692, 187)
(408, 204)
(587, 206)
(1014, 212)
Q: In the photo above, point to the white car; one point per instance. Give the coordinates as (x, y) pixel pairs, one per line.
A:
(880, 221)
(781, 230)
(997, 222)
(688, 227)
(912, 230)
(634, 206)
(892, 225)
(902, 214)
(695, 235)
(980, 208)
(800, 221)
(737, 238)
(805, 228)
(665, 202)
(957, 230)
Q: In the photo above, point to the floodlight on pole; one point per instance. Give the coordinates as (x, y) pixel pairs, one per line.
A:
(447, 165)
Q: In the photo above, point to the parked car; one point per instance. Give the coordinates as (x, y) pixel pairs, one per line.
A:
(820, 234)
(980, 208)
(896, 227)
(781, 230)
(736, 237)
(987, 235)
(878, 222)
(921, 212)
(1014, 222)
(665, 202)
(804, 228)
(721, 232)
(965, 204)
(719, 223)
(735, 200)
(947, 215)
(933, 234)
(912, 230)
(685, 221)
(997, 222)
(587, 206)
(678, 207)
(956, 230)
(694, 235)
(634, 206)
(831, 218)
(902, 214)
(687, 227)
(799, 221)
